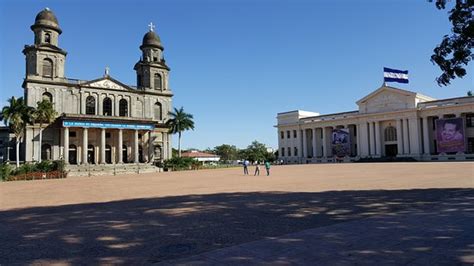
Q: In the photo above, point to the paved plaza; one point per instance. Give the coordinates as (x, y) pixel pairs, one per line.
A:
(327, 214)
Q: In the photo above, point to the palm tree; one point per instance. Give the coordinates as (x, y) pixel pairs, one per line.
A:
(17, 115)
(43, 114)
(179, 122)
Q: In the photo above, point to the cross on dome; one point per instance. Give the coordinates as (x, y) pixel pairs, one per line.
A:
(151, 26)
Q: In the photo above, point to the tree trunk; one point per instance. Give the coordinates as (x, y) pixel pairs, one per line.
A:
(40, 143)
(17, 152)
(179, 144)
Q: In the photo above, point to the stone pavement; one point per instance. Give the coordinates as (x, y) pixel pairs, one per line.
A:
(441, 235)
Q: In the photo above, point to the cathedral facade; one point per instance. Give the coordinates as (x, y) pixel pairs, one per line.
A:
(100, 121)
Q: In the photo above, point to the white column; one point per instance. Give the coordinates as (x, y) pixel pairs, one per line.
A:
(298, 144)
(357, 126)
(135, 150)
(399, 137)
(85, 139)
(305, 144)
(426, 137)
(102, 145)
(314, 142)
(151, 152)
(66, 145)
(325, 145)
(406, 144)
(378, 142)
(372, 138)
(415, 136)
(120, 144)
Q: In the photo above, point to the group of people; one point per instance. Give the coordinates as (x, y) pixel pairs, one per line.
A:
(246, 164)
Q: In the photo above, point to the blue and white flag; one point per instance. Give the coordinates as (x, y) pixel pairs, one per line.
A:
(395, 75)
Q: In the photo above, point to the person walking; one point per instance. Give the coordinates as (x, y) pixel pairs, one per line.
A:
(257, 168)
(246, 167)
(267, 167)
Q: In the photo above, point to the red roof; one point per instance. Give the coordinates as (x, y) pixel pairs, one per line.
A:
(196, 154)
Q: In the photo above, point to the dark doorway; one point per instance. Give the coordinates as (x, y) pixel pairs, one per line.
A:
(90, 154)
(140, 154)
(124, 154)
(72, 154)
(108, 154)
(391, 150)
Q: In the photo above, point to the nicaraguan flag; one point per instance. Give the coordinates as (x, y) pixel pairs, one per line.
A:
(395, 75)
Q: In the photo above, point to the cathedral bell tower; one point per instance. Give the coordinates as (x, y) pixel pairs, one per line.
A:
(152, 71)
(44, 59)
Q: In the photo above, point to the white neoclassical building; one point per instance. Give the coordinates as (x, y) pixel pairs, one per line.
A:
(391, 124)
(100, 121)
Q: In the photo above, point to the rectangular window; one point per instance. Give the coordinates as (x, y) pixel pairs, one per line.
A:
(294, 134)
(295, 151)
(288, 134)
(107, 135)
(282, 152)
(72, 134)
(470, 120)
(282, 135)
(470, 145)
(289, 151)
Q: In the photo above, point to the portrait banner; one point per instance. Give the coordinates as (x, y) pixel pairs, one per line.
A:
(450, 135)
(341, 143)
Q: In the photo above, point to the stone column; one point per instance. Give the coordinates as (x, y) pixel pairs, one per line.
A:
(305, 144)
(399, 137)
(426, 136)
(358, 140)
(325, 145)
(372, 138)
(120, 144)
(85, 139)
(151, 152)
(378, 142)
(66, 145)
(415, 136)
(135, 143)
(102, 145)
(406, 143)
(315, 149)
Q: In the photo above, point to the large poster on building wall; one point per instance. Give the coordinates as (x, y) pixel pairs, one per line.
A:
(450, 135)
(341, 142)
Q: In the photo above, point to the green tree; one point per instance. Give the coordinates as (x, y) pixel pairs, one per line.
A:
(227, 152)
(179, 122)
(454, 52)
(17, 116)
(43, 114)
(469, 93)
(256, 151)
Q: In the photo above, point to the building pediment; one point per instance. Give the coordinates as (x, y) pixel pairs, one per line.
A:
(386, 99)
(107, 83)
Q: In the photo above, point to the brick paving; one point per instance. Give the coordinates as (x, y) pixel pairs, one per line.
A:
(207, 217)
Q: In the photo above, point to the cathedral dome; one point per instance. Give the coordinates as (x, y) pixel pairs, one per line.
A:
(46, 19)
(151, 39)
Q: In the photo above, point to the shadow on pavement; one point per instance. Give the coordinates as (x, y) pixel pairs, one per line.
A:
(171, 228)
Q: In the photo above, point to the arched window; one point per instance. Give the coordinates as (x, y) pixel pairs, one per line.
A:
(124, 153)
(157, 81)
(157, 151)
(107, 106)
(47, 38)
(390, 133)
(123, 107)
(45, 152)
(47, 68)
(90, 105)
(47, 96)
(157, 111)
(72, 154)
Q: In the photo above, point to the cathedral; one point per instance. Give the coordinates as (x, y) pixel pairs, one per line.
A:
(101, 121)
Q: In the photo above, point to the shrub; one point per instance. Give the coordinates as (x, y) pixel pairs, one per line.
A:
(5, 171)
(45, 166)
(179, 163)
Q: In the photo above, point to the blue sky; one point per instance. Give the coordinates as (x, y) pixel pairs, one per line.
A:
(236, 64)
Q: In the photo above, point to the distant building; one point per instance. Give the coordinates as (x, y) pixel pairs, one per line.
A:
(390, 122)
(100, 121)
(201, 156)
